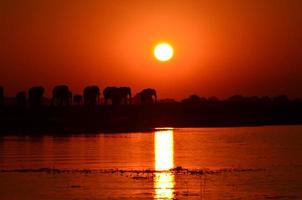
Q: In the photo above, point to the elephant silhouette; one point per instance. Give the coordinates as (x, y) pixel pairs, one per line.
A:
(61, 95)
(77, 99)
(91, 95)
(112, 94)
(146, 96)
(136, 99)
(35, 96)
(125, 95)
(1, 95)
(21, 99)
(117, 95)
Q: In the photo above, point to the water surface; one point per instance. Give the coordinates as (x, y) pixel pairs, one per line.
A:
(248, 163)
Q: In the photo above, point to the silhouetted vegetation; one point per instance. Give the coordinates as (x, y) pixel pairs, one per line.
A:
(21, 99)
(122, 112)
(1, 96)
(193, 99)
(35, 95)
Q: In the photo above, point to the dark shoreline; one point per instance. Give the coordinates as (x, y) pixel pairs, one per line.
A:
(141, 118)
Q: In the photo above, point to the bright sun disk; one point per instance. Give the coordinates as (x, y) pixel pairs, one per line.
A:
(163, 52)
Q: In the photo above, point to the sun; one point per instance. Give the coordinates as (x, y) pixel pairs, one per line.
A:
(163, 52)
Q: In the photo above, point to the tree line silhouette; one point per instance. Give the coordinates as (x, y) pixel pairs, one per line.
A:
(240, 100)
(88, 112)
(63, 96)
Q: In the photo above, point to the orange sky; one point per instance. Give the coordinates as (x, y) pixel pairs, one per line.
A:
(221, 47)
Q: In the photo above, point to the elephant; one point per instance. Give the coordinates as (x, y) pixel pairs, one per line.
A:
(146, 96)
(91, 95)
(113, 94)
(77, 99)
(1, 95)
(125, 94)
(117, 95)
(35, 96)
(61, 95)
(136, 99)
(21, 99)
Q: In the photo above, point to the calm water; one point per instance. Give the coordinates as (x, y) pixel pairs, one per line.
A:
(247, 163)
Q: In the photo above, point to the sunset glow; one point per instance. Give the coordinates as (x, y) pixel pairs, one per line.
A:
(150, 99)
(217, 49)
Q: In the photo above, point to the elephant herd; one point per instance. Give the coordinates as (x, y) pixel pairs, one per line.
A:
(62, 96)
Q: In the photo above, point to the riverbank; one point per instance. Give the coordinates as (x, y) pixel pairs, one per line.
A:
(133, 118)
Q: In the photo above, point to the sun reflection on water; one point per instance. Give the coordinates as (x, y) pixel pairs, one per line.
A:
(164, 160)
